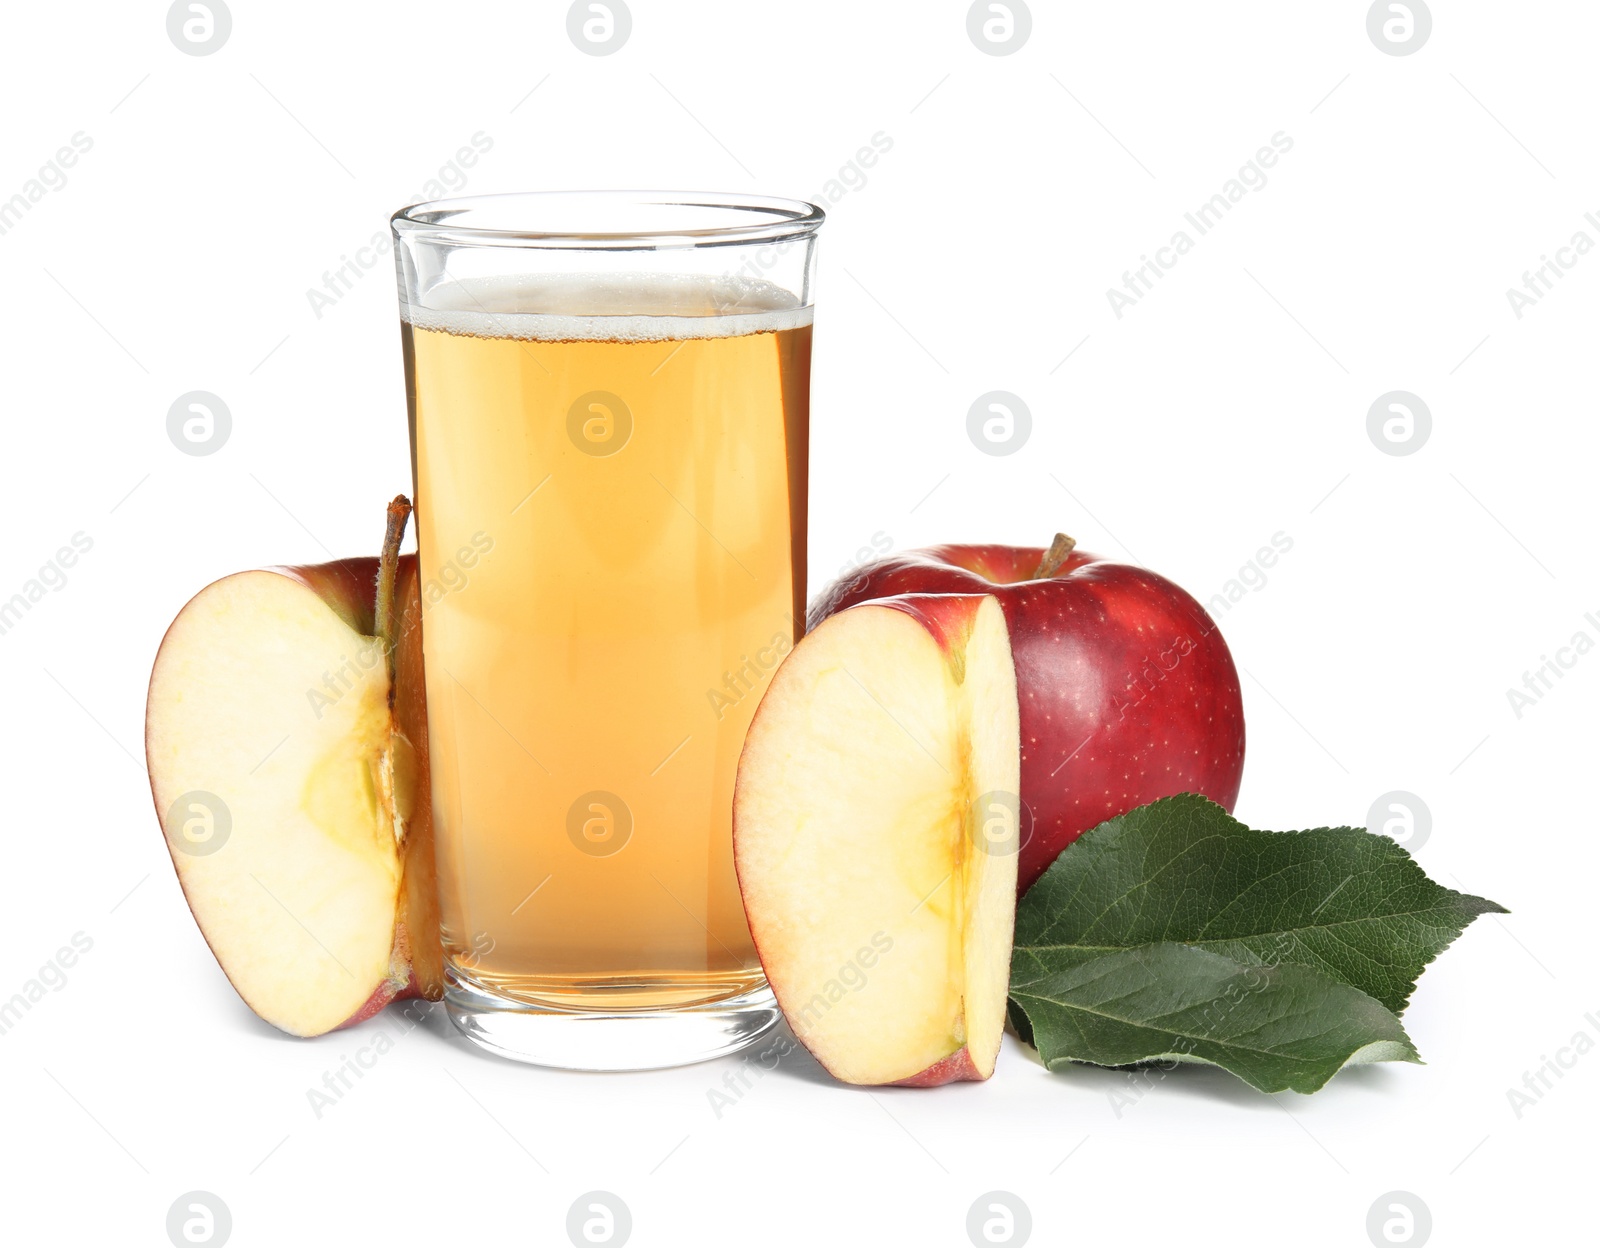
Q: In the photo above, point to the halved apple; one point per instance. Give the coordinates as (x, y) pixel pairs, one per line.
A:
(283, 728)
(876, 835)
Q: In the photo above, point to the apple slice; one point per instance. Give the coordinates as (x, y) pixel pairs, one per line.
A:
(288, 785)
(875, 836)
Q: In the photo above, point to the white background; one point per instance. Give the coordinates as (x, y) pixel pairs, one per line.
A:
(1229, 405)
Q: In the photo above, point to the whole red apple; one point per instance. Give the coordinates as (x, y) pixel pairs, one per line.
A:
(1126, 689)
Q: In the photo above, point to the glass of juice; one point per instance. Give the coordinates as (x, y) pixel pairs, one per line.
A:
(609, 406)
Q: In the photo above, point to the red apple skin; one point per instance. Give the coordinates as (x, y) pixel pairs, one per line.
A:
(1126, 689)
(381, 996)
(955, 1068)
(348, 586)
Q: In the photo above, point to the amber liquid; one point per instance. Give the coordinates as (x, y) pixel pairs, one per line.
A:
(607, 589)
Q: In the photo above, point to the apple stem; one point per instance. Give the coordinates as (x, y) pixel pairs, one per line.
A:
(1055, 556)
(387, 622)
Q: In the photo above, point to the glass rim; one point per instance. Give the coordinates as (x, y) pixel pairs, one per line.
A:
(751, 219)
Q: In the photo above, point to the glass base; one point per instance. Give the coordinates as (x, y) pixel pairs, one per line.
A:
(612, 1039)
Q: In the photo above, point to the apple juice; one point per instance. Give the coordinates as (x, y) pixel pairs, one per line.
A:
(610, 484)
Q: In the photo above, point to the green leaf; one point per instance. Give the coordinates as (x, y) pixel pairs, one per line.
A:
(1277, 1027)
(1340, 900)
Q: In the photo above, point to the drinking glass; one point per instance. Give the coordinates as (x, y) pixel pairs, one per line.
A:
(609, 401)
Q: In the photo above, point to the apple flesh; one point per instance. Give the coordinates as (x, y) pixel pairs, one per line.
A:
(293, 799)
(875, 838)
(1127, 690)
